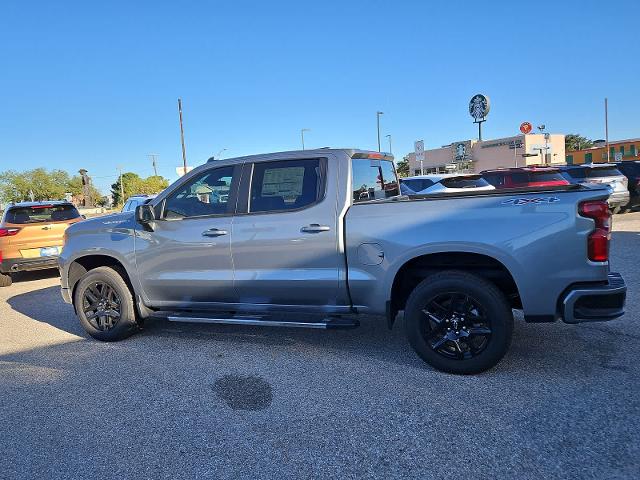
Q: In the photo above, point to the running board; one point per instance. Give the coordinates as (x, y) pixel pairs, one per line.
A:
(331, 323)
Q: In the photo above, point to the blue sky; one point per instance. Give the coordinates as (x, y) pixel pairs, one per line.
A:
(95, 84)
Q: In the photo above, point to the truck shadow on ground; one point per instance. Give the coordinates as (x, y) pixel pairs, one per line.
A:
(20, 277)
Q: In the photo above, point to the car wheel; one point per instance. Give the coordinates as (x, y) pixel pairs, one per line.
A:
(104, 305)
(458, 322)
(5, 280)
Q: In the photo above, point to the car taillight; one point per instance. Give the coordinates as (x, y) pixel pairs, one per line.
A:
(598, 241)
(8, 232)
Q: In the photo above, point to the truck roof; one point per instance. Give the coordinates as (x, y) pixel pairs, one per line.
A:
(302, 153)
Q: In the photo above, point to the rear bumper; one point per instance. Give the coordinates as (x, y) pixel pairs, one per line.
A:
(11, 265)
(618, 199)
(594, 303)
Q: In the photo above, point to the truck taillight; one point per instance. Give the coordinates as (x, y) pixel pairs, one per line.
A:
(598, 241)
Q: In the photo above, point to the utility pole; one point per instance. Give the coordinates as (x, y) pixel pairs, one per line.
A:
(302, 130)
(153, 157)
(606, 127)
(389, 138)
(184, 152)
(378, 123)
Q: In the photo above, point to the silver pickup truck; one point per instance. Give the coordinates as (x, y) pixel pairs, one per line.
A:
(324, 235)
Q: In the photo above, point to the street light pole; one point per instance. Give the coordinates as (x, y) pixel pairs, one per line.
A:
(302, 130)
(389, 138)
(378, 113)
(606, 127)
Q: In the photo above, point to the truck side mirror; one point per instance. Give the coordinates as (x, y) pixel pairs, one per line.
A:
(145, 215)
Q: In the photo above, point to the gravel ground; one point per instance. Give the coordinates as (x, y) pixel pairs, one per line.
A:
(194, 401)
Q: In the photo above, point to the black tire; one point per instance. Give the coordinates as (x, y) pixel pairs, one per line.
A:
(5, 280)
(478, 316)
(103, 290)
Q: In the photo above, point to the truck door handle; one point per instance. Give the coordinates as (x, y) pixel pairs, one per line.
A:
(315, 228)
(214, 232)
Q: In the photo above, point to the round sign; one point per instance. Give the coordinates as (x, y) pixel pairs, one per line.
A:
(479, 107)
(526, 127)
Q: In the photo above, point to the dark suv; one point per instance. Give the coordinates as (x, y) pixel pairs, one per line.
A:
(631, 170)
(524, 177)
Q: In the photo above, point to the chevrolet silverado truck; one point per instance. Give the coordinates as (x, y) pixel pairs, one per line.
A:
(324, 236)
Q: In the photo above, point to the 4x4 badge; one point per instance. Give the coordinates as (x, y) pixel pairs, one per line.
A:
(526, 201)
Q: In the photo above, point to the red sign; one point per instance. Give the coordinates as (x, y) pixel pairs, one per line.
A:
(525, 127)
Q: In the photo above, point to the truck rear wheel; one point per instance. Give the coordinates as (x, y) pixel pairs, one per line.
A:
(5, 280)
(104, 305)
(458, 322)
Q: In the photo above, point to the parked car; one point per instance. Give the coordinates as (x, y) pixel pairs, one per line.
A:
(631, 170)
(601, 173)
(31, 236)
(445, 183)
(135, 200)
(524, 177)
(326, 232)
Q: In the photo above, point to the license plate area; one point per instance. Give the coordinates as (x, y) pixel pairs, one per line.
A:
(49, 251)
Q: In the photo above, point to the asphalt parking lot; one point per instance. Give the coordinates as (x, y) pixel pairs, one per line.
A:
(214, 401)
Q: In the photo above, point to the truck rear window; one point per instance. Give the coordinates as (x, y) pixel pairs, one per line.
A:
(41, 214)
(374, 179)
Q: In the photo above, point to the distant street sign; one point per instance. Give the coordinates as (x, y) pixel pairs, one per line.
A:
(419, 149)
(181, 172)
(618, 156)
(526, 127)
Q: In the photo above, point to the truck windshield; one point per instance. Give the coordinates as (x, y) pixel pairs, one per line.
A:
(374, 179)
(41, 213)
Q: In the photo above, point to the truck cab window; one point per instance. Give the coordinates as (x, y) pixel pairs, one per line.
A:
(286, 185)
(373, 180)
(207, 194)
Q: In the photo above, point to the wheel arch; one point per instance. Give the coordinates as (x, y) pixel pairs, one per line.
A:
(81, 265)
(416, 269)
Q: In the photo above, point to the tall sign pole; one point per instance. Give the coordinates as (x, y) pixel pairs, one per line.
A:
(479, 106)
(606, 127)
(378, 125)
(184, 152)
(418, 147)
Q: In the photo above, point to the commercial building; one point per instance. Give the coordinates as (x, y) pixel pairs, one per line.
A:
(475, 156)
(619, 150)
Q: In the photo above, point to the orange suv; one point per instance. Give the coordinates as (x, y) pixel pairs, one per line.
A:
(31, 236)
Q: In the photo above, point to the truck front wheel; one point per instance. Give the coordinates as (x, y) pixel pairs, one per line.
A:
(104, 305)
(458, 322)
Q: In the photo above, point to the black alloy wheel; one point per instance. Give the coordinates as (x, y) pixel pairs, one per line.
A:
(455, 325)
(458, 322)
(104, 303)
(101, 305)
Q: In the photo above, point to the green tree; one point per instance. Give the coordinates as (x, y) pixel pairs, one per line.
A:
(402, 167)
(573, 142)
(39, 183)
(154, 184)
(134, 185)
